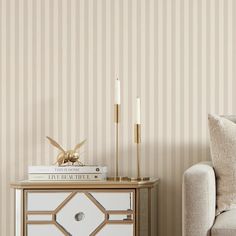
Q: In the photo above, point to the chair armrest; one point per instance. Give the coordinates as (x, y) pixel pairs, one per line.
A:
(198, 200)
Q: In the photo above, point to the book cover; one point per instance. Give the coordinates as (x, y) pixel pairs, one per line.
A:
(66, 169)
(66, 177)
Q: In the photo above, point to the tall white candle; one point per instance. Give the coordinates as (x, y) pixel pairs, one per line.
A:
(117, 91)
(138, 112)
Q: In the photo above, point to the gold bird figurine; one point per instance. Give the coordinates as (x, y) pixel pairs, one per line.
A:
(67, 157)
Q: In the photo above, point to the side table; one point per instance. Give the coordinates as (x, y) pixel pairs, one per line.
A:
(101, 208)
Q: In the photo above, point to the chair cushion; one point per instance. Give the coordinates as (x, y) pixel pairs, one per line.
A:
(225, 224)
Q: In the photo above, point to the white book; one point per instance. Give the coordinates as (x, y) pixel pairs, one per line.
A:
(66, 177)
(66, 169)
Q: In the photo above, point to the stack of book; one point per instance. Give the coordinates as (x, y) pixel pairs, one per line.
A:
(67, 173)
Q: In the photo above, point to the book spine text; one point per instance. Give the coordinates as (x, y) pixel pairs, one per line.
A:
(66, 177)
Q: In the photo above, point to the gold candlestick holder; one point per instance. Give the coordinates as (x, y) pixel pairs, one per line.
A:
(137, 140)
(117, 121)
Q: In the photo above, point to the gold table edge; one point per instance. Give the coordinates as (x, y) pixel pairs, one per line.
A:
(84, 184)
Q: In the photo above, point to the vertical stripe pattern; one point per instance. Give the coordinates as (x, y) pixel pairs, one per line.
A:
(58, 63)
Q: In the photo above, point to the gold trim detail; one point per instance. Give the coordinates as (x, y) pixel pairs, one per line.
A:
(64, 203)
(137, 216)
(110, 183)
(60, 228)
(149, 212)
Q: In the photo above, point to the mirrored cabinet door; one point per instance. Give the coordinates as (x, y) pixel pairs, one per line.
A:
(106, 208)
(82, 212)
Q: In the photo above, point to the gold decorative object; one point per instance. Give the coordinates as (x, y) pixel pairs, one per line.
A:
(69, 156)
(117, 121)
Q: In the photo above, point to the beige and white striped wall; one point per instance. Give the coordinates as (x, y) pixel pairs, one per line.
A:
(58, 63)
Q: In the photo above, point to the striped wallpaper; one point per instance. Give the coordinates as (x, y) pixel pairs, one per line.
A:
(58, 63)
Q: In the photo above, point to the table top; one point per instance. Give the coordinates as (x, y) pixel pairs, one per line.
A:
(109, 183)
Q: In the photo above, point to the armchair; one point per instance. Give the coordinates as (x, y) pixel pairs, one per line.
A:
(199, 204)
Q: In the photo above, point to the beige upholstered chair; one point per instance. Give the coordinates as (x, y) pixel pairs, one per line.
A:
(199, 203)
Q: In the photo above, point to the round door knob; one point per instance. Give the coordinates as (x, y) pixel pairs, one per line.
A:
(79, 216)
